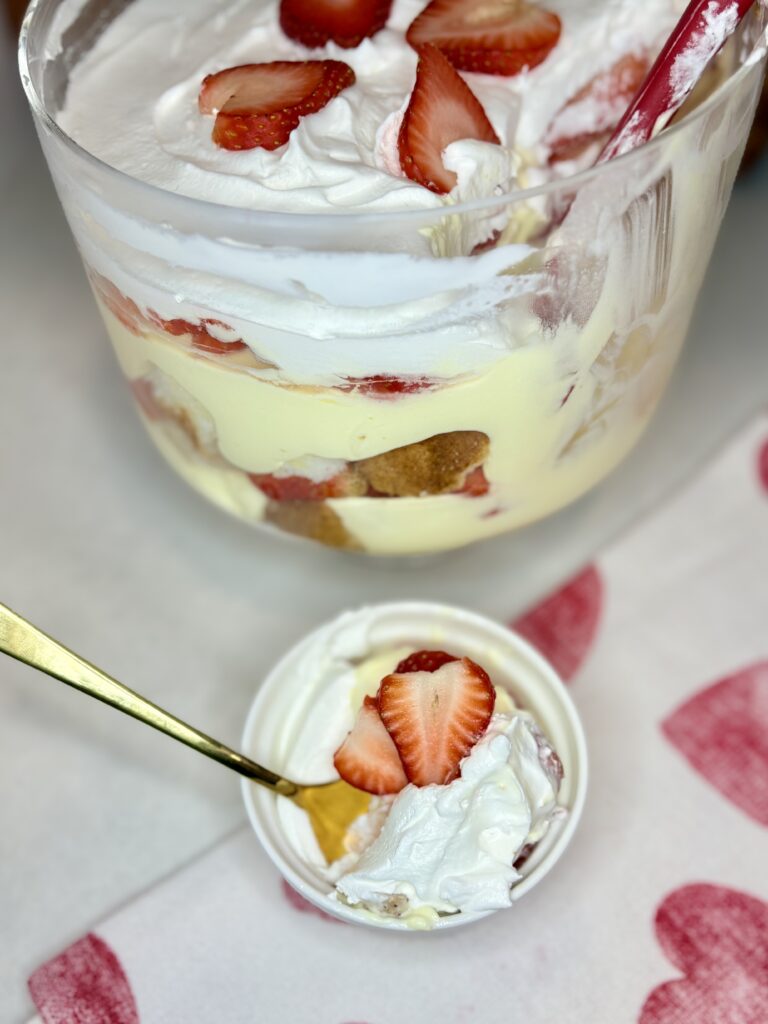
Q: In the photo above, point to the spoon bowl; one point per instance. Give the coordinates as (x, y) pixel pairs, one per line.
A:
(331, 808)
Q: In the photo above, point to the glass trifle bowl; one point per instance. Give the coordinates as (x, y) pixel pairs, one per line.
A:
(399, 381)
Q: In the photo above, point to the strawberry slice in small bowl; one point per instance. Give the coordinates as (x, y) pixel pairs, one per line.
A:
(368, 758)
(295, 487)
(259, 105)
(442, 109)
(425, 720)
(495, 37)
(435, 715)
(347, 23)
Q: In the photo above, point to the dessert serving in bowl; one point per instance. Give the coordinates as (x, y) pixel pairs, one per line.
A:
(357, 268)
(465, 738)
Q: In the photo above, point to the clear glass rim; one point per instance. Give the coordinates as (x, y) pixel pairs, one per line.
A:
(421, 216)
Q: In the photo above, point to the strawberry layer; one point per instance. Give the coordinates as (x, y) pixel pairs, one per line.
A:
(543, 451)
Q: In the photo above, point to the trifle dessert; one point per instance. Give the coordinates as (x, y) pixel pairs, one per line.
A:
(462, 755)
(356, 268)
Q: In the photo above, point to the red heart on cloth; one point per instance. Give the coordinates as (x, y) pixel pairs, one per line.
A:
(718, 939)
(85, 984)
(762, 465)
(722, 732)
(564, 625)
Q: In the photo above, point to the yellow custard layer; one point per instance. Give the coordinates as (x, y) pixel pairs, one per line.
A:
(544, 451)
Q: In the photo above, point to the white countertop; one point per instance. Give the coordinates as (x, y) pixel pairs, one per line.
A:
(102, 547)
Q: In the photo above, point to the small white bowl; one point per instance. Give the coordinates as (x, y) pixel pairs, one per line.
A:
(285, 699)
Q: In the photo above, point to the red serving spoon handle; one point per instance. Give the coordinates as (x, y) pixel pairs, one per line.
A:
(701, 31)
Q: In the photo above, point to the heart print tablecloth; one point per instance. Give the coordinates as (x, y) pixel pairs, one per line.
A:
(657, 914)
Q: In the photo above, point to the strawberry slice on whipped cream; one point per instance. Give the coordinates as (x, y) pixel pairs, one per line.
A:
(259, 105)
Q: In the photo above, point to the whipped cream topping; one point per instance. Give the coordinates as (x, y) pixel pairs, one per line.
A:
(146, 122)
(452, 848)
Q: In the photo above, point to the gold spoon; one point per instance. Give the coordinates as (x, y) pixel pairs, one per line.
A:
(331, 806)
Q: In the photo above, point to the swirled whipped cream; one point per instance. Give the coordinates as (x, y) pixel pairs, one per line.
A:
(453, 848)
(132, 101)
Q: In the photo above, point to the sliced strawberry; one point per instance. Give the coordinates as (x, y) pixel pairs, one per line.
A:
(137, 322)
(487, 245)
(261, 104)
(384, 386)
(368, 759)
(302, 488)
(314, 23)
(435, 718)
(476, 484)
(144, 394)
(289, 488)
(120, 306)
(496, 37)
(424, 661)
(205, 341)
(442, 109)
(200, 333)
(592, 114)
(700, 33)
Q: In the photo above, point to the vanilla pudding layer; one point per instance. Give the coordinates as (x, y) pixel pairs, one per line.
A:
(542, 454)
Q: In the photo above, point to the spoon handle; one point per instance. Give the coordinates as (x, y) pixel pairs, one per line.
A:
(23, 641)
(702, 29)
